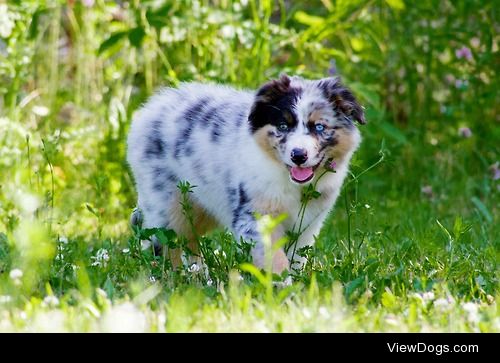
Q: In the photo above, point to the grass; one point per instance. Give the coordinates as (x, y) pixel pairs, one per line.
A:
(413, 241)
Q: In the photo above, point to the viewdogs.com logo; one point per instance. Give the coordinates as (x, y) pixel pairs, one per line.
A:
(437, 349)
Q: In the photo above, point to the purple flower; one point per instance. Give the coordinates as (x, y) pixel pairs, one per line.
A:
(332, 69)
(88, 3)
(461, 83)
(330, 165)
(464, 52)
(464, 132)
(495, 171)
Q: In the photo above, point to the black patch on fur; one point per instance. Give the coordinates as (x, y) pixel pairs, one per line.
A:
(243, 220)
(155, 147)
(198, 169)
(159, 185)
(160, 172)
(213, 118)
(273, 104)
(190, 117)
(162, 177)
(216, 133)
(241, 116)
(172, 178)
(342, 100)
(327, 142)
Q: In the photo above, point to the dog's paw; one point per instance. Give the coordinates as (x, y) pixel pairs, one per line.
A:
(280, 262)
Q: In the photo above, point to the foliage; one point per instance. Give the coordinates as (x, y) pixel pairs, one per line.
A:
(412, 244)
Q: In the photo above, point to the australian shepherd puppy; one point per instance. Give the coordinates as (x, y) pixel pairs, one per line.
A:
(247, 153)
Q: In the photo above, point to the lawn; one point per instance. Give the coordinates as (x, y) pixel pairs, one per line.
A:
(412, 244)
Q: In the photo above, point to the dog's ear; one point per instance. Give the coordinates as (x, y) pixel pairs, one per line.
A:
(342, 99)
(274, 89)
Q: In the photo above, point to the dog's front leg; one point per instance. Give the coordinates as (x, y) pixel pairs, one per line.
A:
(306, 238)
(245, 226)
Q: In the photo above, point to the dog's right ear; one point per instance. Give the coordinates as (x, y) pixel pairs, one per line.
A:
(342, 99)
(274, 89)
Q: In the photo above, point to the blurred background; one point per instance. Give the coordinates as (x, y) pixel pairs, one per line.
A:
(73, 72)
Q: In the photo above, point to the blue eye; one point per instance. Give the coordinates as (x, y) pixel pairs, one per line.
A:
(319, 128)
(283, 126)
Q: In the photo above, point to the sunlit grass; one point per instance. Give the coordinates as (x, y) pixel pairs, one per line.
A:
(412, 245)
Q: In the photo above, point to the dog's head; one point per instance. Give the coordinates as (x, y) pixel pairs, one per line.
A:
(303, 124)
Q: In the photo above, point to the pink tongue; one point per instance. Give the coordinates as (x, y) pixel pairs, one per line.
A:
(301, 174)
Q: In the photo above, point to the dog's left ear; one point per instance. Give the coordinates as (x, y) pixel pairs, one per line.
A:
(342, 99)
(274, 89)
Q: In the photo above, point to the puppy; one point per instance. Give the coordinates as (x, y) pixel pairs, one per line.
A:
(247, 153)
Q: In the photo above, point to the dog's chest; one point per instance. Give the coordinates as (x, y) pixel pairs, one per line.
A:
(290, 201)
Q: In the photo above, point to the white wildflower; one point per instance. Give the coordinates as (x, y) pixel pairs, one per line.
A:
(194, 268)
(101, 258)
(210, 282)
(40, 110)
(51, 301)
(472, 310)
(6, 21)
(63, 240)
(227, 31)
(126, 250)
(442, 304)
(15, 274)
(218, 252)
(152, 279)
(428, 296)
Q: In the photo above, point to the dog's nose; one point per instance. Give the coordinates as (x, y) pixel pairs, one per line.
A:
(299, 156)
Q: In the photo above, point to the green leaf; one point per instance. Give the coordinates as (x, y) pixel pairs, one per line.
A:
(159, 17)
(307, 19)
(109, 288)
(166, 237)
(482, 208)
(136, 35)
(388, 299)
(111, 41)
(396, 4)
(248, 267)
(443, 228)
(353, 285)
(316, 194)
(92, 210)
(33, 29)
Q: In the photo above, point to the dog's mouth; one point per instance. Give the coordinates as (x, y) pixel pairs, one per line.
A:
(302, 175)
